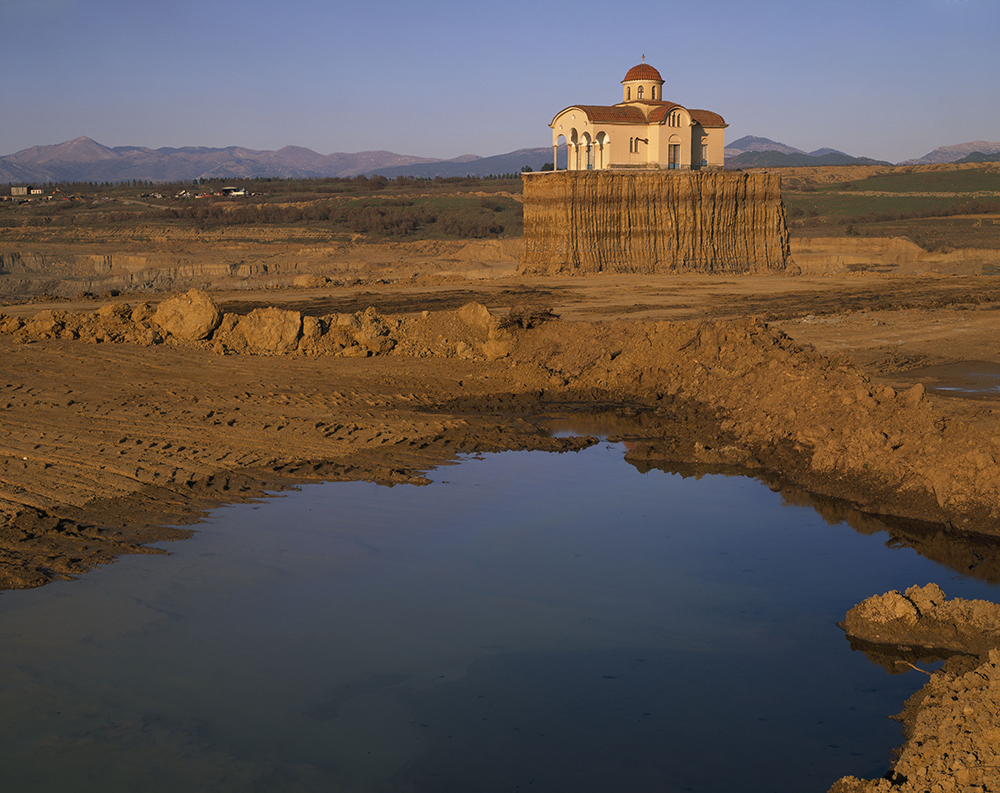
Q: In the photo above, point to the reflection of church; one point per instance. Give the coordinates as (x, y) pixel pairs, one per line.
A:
(643, 132)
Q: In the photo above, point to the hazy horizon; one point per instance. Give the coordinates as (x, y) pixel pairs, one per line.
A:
(892, 80)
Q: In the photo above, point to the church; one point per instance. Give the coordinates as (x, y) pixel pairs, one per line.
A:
(644, 132)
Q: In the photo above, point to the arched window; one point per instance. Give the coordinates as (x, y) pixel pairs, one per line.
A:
(652, 92)
(631, 145)
(638, 92)
(628, 93)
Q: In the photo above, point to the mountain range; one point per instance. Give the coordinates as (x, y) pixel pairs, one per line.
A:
(955, 153)
(85, 160)
(753, 152)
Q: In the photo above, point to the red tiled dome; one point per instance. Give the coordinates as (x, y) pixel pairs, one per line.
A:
(642, 71)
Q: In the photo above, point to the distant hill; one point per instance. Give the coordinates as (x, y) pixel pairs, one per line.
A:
(978, 156)
(778, 159)
(482, 166)
(822, 152)
(754, 152)
(751, 143)
(85, 160)
(955, 153)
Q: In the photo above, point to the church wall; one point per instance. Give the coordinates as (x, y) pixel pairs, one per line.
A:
(657, 147)
(716, 148)
(653, 222)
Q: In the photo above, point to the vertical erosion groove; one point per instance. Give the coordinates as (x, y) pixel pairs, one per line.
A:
(653, 222)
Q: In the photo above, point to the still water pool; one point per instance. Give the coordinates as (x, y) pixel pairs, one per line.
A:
(529, 621)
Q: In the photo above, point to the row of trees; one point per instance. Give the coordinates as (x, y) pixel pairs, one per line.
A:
(281, 184)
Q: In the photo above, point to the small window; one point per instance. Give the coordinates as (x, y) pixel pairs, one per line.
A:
(638, 92)
(628, 93)
(652, 92)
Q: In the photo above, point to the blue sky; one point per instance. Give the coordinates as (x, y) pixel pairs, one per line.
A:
(879, 78)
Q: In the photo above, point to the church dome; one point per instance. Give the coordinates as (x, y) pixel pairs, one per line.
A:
(642, 71)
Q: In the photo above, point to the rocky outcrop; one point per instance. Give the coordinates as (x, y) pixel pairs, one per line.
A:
(579, 222)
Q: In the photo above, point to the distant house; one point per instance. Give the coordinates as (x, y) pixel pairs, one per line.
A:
(642, 132)
(19, 189)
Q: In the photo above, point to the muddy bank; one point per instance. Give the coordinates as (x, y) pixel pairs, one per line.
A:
(199, 396)
(952, 725)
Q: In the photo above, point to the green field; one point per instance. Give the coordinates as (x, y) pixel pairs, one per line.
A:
(377, 208)
(958, 181)
(934, 208)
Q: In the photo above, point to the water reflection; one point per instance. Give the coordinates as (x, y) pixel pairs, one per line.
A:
(973, 555)
(610, 422)
(967, 379)
(968, 554)
(898, 659)
(554, 621)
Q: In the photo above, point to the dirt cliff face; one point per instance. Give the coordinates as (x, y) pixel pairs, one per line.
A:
(652, 222)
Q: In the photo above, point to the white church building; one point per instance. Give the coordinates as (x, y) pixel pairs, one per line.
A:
(642, 132)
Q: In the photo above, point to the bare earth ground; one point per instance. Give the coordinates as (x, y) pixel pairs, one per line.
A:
(102, 444)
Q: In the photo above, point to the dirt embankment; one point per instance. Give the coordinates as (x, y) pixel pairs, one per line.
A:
(228, 259)
(163, 407)
(890, 255)
(952, 725)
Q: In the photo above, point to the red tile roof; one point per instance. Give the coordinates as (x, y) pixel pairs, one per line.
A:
(660, 113)
(630, 114)
(642, 71)
(704, 117)
(609, 114)
(707, 118)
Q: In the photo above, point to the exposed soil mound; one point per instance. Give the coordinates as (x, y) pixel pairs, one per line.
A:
(952, 725)
(922, 617)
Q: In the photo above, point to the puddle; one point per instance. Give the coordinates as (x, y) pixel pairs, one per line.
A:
(969, 379)
(529, 621)
(604, 423)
